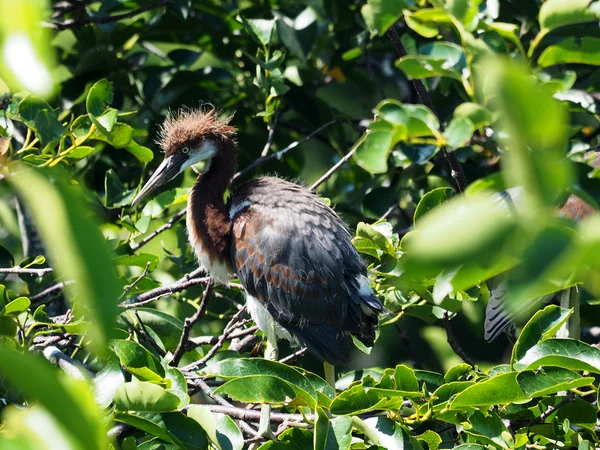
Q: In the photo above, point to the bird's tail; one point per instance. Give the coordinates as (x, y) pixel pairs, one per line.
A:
(327, 343)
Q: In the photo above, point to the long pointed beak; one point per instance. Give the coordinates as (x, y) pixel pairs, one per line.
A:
(168, 169)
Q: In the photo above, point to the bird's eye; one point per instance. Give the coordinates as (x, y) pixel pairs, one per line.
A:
(185, 150)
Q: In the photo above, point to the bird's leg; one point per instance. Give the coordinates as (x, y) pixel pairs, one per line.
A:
(271, 354)
(329, 374)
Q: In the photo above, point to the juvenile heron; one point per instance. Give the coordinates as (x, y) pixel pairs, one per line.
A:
(303, 278)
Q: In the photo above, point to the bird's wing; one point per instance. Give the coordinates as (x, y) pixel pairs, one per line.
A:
(293, 254)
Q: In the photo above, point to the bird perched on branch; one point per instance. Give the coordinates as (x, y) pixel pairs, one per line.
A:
(303, 277)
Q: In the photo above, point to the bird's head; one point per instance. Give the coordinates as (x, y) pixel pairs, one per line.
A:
(186, 138)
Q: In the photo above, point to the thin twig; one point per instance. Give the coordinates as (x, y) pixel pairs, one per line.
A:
(189, 323)
(194, 342)
(23, 271)
(453, 343)
(228, 328)
(251, 414)
(516, 424)
(271, 127)
(154, 294)
(147, 336)
(129, 287)
(172, 221)
(331, 171)
(294, 356)
(79, 22)
(281, 153)
(455, 167)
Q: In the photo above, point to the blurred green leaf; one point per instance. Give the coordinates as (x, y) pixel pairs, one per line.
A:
(261, 30)
(70, 401)
(48, 127)
(537, 125)
(78, 251)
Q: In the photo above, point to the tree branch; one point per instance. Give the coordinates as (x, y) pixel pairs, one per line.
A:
(23, 271)
(455, 167)
(226, 332)
(331, 171)
(154, 294)
(281, 153)
(189, 323)
(453, 343)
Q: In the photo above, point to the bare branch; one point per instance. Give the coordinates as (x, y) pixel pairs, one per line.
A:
(23, 271)
(154, 294)
(129, 287)
(331, 171)
(251, 414)
(49, 293)
(228, 329)
(172, 221)
(281, 153)
(294, 356)
(455, 167)
(271, 127)
(194, 342)
(190, 322)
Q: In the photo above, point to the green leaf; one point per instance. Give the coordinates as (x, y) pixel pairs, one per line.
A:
(99, 97)
(167, 327)
(584, 50)
(380, 15)
(502, 389)
(220, 428)
(28, 109)
(143, 154)
(550, 380)
(390, 434)
(542, 325)
(430, 200)
(566, 353)
(175, 428)
(15, 307)
(265, 389)
(116, 194)
(298, 34)
(261, 30)
(137, 360)
(70, 401)
(405, 379)
(537, 126)
(76, 247)
(120, 137)
(81, 152)
(558, 13)
(145, 397)
(488, 428)
(474, 113)
(360, 399)
(458, 133)
(47, 126)
(431, 438)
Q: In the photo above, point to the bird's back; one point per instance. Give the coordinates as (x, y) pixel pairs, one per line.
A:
(293, 254)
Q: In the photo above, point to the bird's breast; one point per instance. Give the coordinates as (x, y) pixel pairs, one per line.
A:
(211, 262)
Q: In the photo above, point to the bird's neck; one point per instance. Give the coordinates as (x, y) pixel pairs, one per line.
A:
(208, 216)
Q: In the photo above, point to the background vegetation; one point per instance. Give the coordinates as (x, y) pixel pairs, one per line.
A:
(329, 93)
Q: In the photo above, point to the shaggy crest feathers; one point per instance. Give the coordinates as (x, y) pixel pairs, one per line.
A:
(188, 124)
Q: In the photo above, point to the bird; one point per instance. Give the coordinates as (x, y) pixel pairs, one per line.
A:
(500, 313)
(304, 280)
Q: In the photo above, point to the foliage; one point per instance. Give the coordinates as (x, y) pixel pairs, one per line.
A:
(154, 357)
